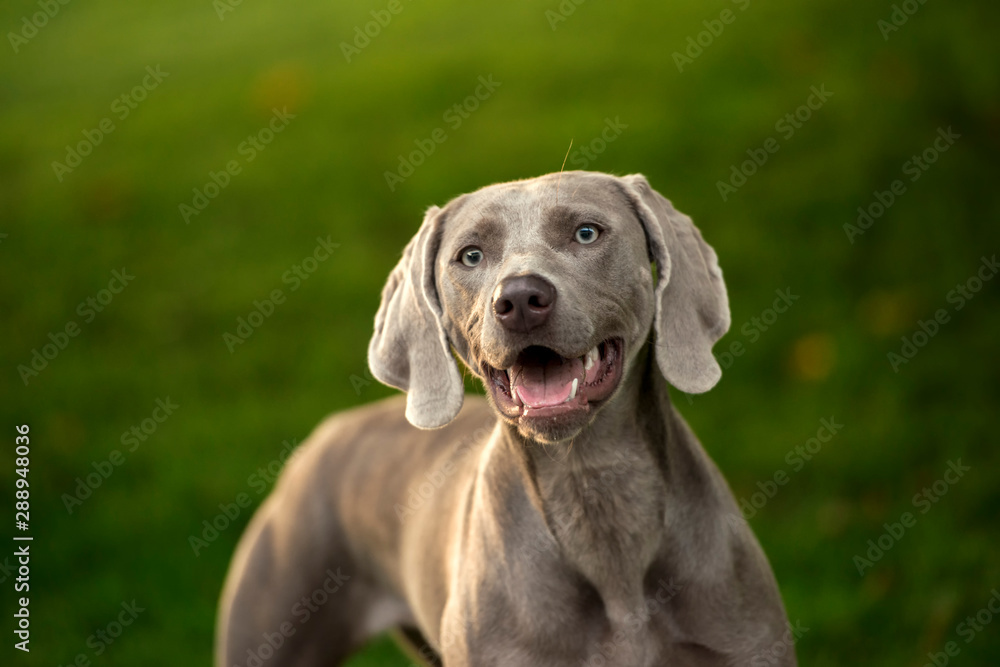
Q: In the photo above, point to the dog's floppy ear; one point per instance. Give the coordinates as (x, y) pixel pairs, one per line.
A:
(410, 350)
(692, 307)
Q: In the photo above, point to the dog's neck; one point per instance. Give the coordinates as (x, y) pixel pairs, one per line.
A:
(603, 494)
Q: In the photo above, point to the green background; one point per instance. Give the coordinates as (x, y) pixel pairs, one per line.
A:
(324, 175)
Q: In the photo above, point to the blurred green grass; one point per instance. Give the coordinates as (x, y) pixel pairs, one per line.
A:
(324, 176)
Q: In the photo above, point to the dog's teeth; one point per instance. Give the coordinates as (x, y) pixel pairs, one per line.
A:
(592, 356)
(513, 393)
(572, 392)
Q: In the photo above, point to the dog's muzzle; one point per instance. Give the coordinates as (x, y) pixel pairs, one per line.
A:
(543, 383)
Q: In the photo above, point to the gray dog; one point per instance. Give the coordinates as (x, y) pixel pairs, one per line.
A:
(569, 519)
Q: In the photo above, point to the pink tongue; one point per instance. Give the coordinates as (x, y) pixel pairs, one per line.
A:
(546, 383)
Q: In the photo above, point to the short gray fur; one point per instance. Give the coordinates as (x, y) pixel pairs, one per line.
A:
(615, 543)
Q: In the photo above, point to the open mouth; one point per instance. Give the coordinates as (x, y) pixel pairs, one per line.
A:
(543, 383)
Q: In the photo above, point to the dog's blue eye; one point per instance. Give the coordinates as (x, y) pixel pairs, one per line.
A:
(472, 256)
(587, 234)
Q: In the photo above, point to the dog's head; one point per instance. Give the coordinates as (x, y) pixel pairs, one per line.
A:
(544, 288)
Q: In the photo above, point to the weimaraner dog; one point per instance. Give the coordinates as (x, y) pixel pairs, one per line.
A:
(570, 518)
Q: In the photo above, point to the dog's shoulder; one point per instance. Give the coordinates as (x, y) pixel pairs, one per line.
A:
(382, 426)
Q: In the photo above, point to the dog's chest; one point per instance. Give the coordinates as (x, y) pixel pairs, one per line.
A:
(608, 520)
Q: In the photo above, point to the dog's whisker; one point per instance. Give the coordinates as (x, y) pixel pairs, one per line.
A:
(559, 180)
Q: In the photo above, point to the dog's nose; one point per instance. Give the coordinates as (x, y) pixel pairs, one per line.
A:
(523, 303)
